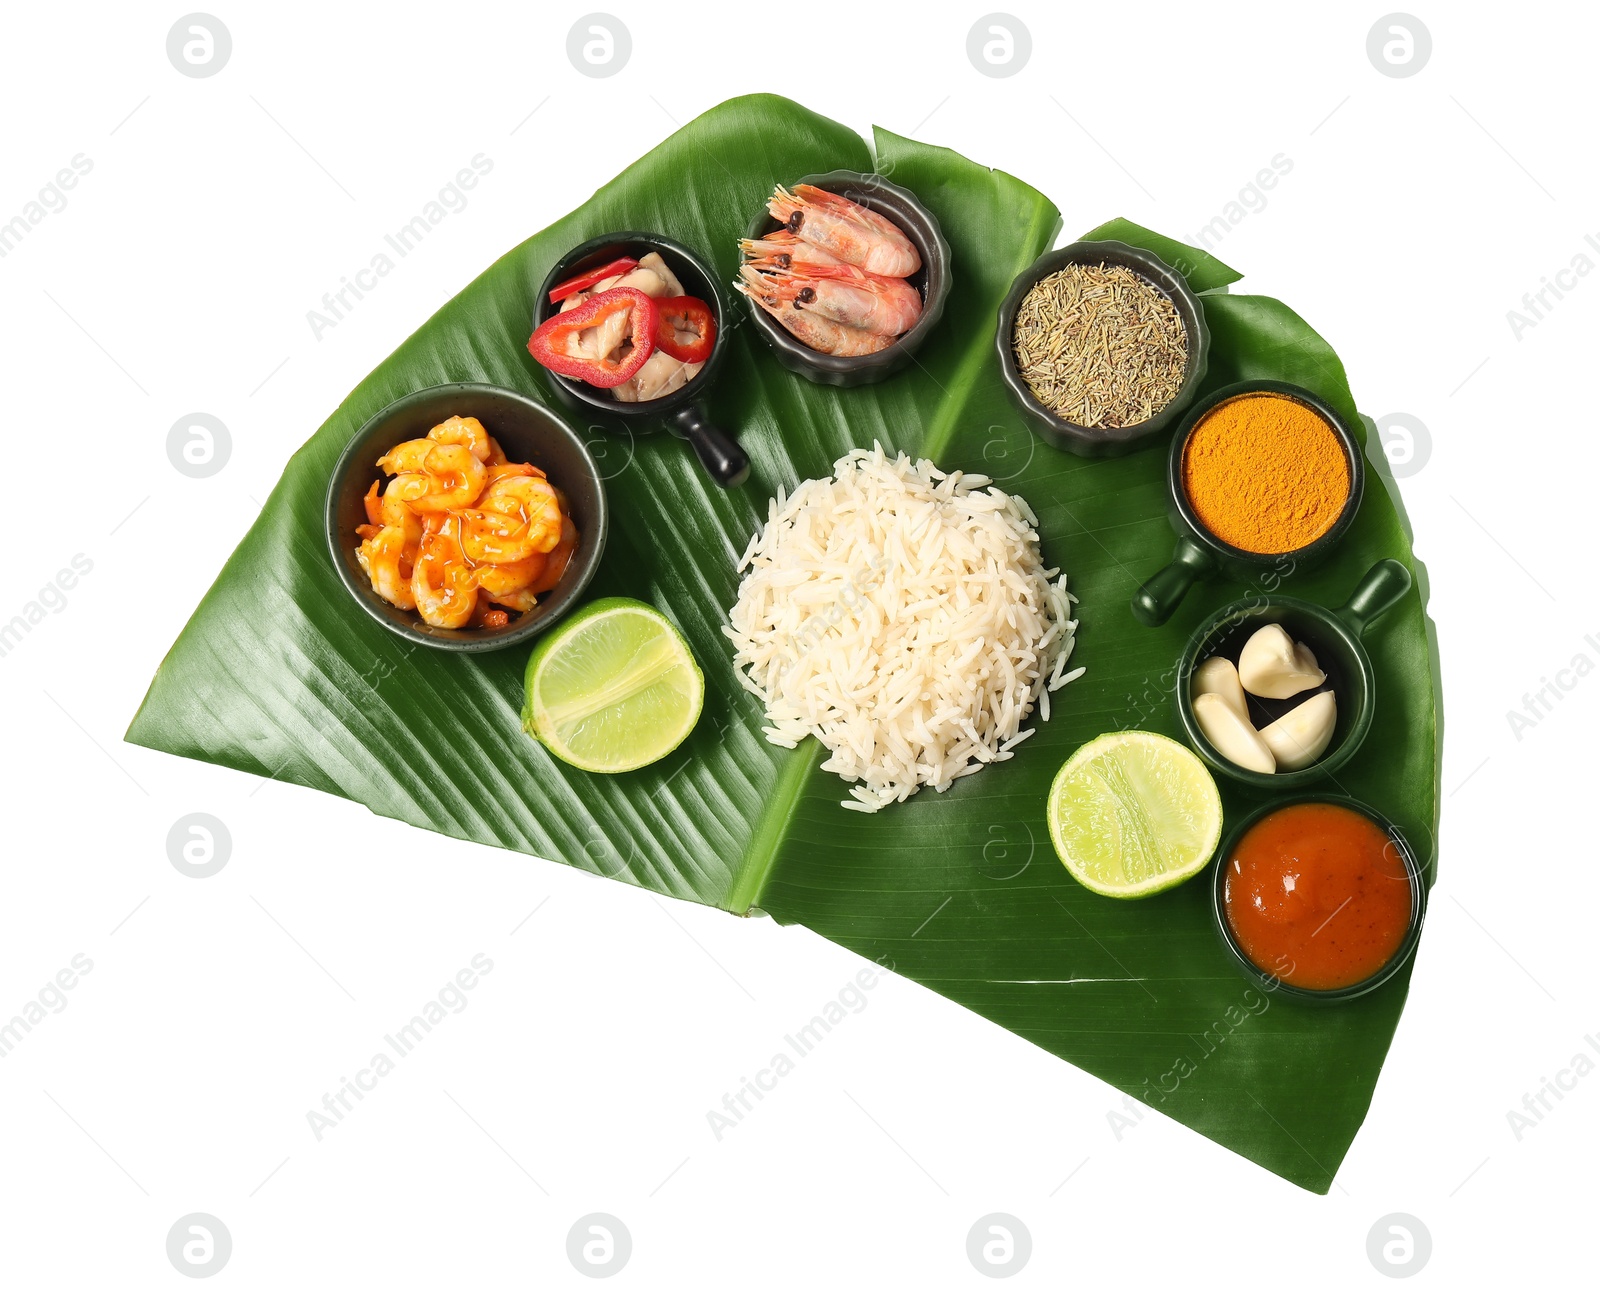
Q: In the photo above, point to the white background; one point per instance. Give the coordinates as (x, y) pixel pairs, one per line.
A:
(218, 1011)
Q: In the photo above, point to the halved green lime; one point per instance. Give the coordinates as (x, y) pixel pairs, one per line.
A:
(1133, 813)
(613, 688)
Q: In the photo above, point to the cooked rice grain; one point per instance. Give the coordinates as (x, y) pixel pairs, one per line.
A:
(903, 617)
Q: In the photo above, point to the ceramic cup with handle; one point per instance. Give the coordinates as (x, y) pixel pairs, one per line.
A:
(1199, 553)
(1334, 637)
(684, 412)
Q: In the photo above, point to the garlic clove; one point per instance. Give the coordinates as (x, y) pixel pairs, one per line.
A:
(1274, 666)
(1232, 735)
(1218, 676)
(1301, 736)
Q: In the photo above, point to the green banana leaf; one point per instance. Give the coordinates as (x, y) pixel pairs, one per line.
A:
(277, 673)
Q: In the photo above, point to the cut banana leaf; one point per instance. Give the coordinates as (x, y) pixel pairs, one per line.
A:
(278, 674)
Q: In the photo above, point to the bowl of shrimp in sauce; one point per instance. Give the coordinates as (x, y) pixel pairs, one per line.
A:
(846, 274)
(466, 517)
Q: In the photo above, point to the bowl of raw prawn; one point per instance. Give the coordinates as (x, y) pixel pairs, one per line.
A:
(930, 279)
(525, 433)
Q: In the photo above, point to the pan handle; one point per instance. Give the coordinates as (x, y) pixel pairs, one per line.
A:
(1154, 603)
(718, 451)
(1379, 591)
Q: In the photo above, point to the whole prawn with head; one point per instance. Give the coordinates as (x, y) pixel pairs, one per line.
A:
(835, 275)
(850, 232)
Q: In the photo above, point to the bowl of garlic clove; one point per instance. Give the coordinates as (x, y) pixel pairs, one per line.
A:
(1276, 692)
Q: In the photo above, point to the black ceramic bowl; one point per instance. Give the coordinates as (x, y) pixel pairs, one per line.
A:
(683, 412)
(932, 282)
(1334, 637)
(1200, 553)
(527, 433)
(1269, 981)
(1109, 441)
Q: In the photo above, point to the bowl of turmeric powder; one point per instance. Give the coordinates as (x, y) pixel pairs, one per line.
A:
(1263, 480)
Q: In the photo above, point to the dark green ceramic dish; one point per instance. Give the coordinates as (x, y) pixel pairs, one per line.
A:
(1109, 441)
(932, 282)
(528, 433)
(684, 411)
(1334, 637)
(1270, 982)
(1200, 553)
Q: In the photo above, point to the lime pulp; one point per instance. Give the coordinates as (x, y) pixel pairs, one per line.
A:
(612, 689)
(1133, 813)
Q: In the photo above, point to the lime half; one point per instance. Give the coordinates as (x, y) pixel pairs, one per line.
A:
(613, 688)
(1133, 813)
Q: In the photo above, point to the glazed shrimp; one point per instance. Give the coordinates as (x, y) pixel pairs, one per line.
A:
(810, 328)
(854, 234)
(388, 557)
(441, 580)
(556, 564)
(850, 296)
(437, 476)
(497, 470)
(511, 585)
(468, 432)
(391, 508)
(493, 538)
(780, 249)
(531, 503)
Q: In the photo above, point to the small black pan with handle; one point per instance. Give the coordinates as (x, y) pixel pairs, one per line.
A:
(683, 412)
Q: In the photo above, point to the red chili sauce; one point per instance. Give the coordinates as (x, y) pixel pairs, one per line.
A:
(1318, 895)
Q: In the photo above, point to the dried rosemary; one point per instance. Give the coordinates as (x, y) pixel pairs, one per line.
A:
(1099, 346)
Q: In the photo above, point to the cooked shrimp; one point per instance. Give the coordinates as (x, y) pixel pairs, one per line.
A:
(850, 296)
(491, 537)
(441, 581)
(509, 585)
(854, 234)
(388, 557)
(393, 509)
(811, 329)
(531, 502)
(460, 534)
(467, 432)
(780, 249)
(438, 476)
(556, 565)
(496, 470)
(854, 210)
(407, 456)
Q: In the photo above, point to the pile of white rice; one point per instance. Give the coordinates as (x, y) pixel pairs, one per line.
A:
(903, 617)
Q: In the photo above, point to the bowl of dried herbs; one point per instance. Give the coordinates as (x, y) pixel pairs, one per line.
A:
(1103, 345)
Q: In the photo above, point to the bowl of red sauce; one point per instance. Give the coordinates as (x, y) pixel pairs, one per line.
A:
(1319, 898)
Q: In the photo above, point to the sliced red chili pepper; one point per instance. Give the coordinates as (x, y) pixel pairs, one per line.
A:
(693, 315)
(572, 286)
(550, 343)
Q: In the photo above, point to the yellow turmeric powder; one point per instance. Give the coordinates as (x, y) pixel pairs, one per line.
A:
(1265, 473)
